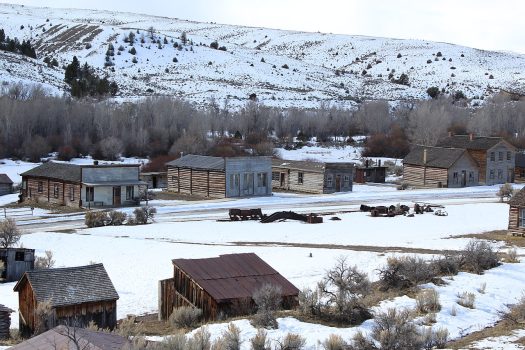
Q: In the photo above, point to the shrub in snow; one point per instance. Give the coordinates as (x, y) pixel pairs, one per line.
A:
(291, 341)
(512, 256)
(466, 299)
(200, 340)
(134, 60)
(173, 342)
(214, 45)
(9, 233)
(399, 55)
(505, 191)
(433, 91)
(268, 299)
(405, 272)
(260, 341)
(491, 76)
(133, 51)
(428, 301)
(185, 317)
(309, 303)
(334, 342)
(434, 339)
(479, 256)
(285, 66)
(45, 262)
(230, 339)
(116, 218)
(517, 312)
(96, 218)
(144, 214)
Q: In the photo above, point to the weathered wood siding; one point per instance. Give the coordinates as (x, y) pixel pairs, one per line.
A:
(102, 313)
(420, 176)
(193, 182)
(254, 176)
(519, 175)
(480, 156)
(59, 195)
(312, 181)
(5, 323)
(5, 189)
(514, 222)
(338, 172)
(26, 309)
(14, 269)
(158, 180)
(463, 173)
(502, 166)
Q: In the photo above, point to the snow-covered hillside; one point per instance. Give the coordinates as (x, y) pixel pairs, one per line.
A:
(321, 67)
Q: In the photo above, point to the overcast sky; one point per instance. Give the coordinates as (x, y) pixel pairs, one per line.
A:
(484, 24)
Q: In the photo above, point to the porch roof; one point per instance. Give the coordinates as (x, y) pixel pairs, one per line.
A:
(115, 183)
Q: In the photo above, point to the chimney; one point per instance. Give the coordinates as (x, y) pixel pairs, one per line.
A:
(425, 156)
(471, 136)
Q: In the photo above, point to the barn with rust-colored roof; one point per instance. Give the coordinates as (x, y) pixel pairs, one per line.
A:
(221, 285)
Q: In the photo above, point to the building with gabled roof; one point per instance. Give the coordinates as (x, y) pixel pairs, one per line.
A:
(88, 186)
(439, 167)
(74, 338)
(217, 177)
(222, 285)
(76, 295)
(494, 156)
(6, 185)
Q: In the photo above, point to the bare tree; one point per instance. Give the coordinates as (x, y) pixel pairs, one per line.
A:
(45, 262)
(268, 299)
(9, 233)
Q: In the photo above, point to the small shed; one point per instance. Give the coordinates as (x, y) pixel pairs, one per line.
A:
(312, 177)
(517, 214)
(221, 286)
(77, 296)
(16, 262)
(73, 338)
(5, 321)
(155, 179)
(370, 173)
(6, 185)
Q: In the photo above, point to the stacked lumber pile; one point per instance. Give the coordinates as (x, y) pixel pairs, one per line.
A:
(5, 321)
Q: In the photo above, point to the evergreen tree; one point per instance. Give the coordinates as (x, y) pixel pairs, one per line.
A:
(72, 71)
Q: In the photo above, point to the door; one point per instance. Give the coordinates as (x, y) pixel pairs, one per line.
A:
(116, 196)
(510, 175)
(248, 184)
(283, 179)
(463, 178)
(154, 181)
(235, 189)
(338, 183)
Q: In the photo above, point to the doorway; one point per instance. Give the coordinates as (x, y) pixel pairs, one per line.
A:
(338, 183)
(283, 179)
(116, 196)
(464, 178)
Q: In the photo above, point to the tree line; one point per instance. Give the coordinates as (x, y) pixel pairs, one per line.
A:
(15, 46)
(32, 124)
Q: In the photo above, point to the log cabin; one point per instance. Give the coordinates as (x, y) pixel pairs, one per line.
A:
(221, 286)
(439, 167)
(76, 296)
(16, 262)
(494, 156)
(5, 322)
(217, 177)
(87, 186)
(312, 177)
(74, 338)
(6, 185)
(517, 214)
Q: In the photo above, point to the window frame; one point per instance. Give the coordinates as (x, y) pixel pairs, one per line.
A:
(300, 178)
(56, 190)
(509, 156)
(329, 181)
(500, 156)
(262, 180)
(130, 192)
(491, 174)
(40, 187)
(492, 156)
(90, 194)
(18, 254)
(71, 193)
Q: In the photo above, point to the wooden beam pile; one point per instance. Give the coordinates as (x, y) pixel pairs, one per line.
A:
(5, 322)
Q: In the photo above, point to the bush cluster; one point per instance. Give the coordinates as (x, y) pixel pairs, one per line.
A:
(141, 216)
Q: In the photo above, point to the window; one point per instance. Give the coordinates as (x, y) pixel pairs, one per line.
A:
(234, 181)
(90, 194)
(40, 187)
(19, 256)
(500, 174)
(500, 156)
(471, 176)
(492, 156)
(491, 174)
(55, 190)
(508, 155)
(300, 178)
(329, 180)
(275, 176)
(455, 177)
(346, 180)
(261, 179)
(248, 181)
(130, 192)
(71, 193)
(521, 221)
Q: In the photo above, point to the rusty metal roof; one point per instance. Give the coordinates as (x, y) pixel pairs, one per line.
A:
(234, 276)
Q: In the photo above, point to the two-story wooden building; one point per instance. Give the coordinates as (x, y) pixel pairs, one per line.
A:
(312, 177)
(494, 156)
(76, 296)
(110, 185)
(218, 177)
(439, 167)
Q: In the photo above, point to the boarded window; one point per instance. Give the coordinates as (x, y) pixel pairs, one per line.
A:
(71, 193)
(130, 192)
(329, 181)
(346, 181)
(234, 181)
(508, 155)
(55, 190)
(90, 194)
(40, 187)
(275, 176)
(19, 256)
(300, 178)
(248, 181)
(492, 156)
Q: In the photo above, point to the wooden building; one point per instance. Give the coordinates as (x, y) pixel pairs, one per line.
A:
(74, 338)
(517, 214)
(218, 177)
(494, 156)
(77, 296)
(16, 262)
(312, 177)
(519, 168)
(155, 179)
(439, 167)
(6, 185)
(370, 173)
(221, 286)
(87, 186)
(5, 322)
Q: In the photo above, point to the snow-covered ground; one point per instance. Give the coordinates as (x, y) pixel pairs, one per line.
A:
(322, 68)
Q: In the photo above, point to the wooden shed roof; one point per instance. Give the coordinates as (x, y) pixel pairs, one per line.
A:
(70, 285)
(198, 162)
(317, 167)
(60, 338)
(4, 179)
(437, 157)
(5, 309)
(518, 199)
(234, 276)
(477, 142)
(58, 171)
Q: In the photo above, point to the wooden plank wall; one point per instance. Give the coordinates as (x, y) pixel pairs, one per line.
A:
(418, 176)
(166, 298)
(103, 313)
(202, 183)
(27, 308)
(518, 178)
(48, 196)
(480, 156)
(514, 222)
